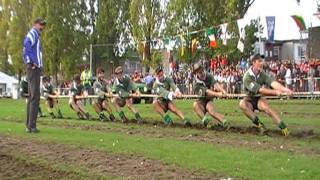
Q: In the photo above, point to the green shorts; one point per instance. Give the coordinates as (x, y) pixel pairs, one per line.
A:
(253, 101)
(100, 100)
(164, 103)
(121, 101)
(50, 102)
(204, 102)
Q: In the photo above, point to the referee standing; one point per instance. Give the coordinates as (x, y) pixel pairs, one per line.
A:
(32, 56)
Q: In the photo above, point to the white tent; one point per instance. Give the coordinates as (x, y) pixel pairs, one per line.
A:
(8, 84)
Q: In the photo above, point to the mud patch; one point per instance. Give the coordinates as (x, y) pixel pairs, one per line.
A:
(96, 162)
(215, 135)
(15, 168)
(302, 134)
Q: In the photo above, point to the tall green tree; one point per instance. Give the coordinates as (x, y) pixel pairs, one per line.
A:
(19, 24)
(182, 17)
(65, 37)
(187, 15)
(251, 32)
(5, 66)
(110, 32)
(146, 17)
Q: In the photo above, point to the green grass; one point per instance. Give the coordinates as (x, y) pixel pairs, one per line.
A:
(216, 159)
(298, 113)
(226, 161)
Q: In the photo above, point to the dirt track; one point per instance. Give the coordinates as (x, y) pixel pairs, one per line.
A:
(157, 129)
(210, 136)
(16, 165)
(15, 168)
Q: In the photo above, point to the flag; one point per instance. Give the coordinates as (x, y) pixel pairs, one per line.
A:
(168, 44)
(166, 41)
(270, 27)
(300, 22)
(240, 45)
(160, 43)
(181, 44)
(194, 44)
(242, 33)
(223, 35)
(210, 34)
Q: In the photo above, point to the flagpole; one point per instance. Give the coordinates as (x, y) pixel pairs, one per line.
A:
(309, 38)
(260, 45)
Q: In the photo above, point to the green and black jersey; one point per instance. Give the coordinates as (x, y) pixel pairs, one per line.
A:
(76, 89)
(24, 88)
(101, 87)
(252, 82)
(124, 87)
(47, 90)
(164, 88)
(200, 86)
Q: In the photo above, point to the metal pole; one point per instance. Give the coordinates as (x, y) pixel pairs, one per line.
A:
(308, 42)
(91, 58)
(260, 45)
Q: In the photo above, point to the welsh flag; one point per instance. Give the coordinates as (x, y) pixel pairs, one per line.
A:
(210, 34)
(300, 22)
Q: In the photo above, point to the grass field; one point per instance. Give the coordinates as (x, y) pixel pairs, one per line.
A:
(74, 149)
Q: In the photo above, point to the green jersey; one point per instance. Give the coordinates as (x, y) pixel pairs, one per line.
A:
(252, 82)
(124, 87)
(24, 88)
(163, 88)
(47, 90)
(100, 88)
(76, 89)
(200, 86)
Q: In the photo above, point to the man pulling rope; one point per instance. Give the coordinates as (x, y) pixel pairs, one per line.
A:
(257, 82)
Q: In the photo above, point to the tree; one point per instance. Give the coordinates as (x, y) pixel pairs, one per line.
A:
(181, 18)
(110, 31)
(251, 37)
(65, 37)
(187, 15)
(146, 17)
(5, 66)
(19, 24)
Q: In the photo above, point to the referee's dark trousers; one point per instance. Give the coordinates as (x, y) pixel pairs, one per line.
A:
(33, 78)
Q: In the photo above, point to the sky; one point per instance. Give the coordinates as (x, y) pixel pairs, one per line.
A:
(285, 27)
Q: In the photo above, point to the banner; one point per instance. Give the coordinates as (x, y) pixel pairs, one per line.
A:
(271, 22)
(224, 33)
(242, 34)
(144, 54)
(194, 45)
(182, 45)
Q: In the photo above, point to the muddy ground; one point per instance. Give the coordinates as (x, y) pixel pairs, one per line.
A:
(25, 159)
(215, 135)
